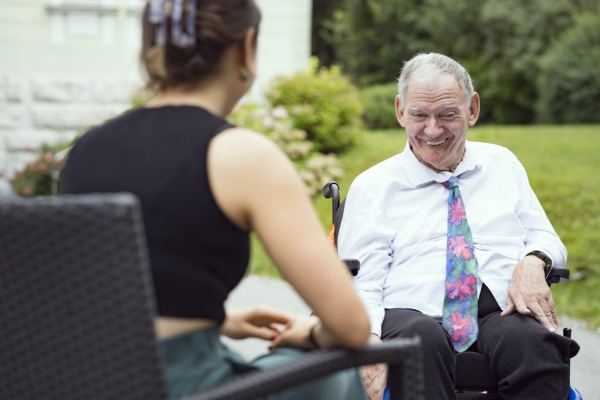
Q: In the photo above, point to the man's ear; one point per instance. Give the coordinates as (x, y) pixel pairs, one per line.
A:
(400, 116)
(474, 109)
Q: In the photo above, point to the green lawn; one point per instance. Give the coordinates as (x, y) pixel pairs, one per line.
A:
(563, 163)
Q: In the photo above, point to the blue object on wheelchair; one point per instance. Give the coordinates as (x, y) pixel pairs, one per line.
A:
(574, 394)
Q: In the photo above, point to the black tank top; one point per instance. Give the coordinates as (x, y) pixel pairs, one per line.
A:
(159, 154)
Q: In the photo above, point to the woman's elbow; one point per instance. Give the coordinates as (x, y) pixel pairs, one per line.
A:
(357, 335)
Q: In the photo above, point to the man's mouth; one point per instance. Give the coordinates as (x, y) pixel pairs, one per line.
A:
(437, 142)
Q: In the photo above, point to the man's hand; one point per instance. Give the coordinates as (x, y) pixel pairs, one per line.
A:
(258, 322)
(529, 293)
(374, 376)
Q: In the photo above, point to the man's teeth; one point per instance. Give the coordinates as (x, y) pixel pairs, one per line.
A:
(435, 143)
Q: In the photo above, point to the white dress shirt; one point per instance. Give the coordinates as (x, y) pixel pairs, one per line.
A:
(395, 223)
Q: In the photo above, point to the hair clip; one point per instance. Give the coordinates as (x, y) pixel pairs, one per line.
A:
(157, 17)
(183, 37)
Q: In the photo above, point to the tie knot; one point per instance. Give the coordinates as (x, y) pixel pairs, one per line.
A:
(451, 183)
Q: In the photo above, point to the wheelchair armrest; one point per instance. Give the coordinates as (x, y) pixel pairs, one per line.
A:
(405, 353)
(353, 266)
(556, 274)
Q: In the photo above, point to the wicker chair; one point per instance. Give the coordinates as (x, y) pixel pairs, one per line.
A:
(76, 311)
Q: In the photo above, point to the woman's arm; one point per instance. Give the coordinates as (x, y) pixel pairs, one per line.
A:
(257, 187)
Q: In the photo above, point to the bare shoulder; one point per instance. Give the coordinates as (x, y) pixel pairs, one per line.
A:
(243, 154)
(246, 171)
(240, 146)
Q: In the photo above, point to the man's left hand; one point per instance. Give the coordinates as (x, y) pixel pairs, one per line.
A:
(529, 293)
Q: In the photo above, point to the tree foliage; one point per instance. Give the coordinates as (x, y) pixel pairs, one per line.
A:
(501, 43)
(569, 84)
(322, 11)
(371, 37)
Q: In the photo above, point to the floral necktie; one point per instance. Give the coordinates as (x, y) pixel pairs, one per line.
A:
(459, 316)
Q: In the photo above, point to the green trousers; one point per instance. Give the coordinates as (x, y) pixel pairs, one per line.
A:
(199, 360)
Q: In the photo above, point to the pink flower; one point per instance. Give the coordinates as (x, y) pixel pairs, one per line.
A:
(48, 157)
(462, 288)
(459, 247)
(457, 212)
(460, 327)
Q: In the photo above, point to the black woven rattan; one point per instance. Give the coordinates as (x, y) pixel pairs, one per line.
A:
(405, 353)
(75, 309)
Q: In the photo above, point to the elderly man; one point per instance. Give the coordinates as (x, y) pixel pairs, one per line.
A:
(454, 244)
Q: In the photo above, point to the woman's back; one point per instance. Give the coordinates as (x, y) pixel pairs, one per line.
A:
(160, 154)
(203, 185)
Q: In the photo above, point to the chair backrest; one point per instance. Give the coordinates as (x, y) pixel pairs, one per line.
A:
(76, 303)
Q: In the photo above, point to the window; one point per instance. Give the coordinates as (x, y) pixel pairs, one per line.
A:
(92, 20)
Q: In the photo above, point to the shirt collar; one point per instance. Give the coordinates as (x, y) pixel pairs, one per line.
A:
(419, 174)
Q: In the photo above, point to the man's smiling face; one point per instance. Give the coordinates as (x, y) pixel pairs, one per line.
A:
(436, 116)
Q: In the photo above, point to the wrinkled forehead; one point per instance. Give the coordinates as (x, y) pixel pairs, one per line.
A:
(433, 88)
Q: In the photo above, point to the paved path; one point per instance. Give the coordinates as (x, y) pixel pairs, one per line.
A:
(585, 368)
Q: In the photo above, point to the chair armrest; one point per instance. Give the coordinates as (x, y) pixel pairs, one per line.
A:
(556, 274)
(405, 353)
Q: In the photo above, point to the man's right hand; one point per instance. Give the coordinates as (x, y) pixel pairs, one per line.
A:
(374, 376)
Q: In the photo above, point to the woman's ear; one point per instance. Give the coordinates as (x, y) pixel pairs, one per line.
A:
(248, 56)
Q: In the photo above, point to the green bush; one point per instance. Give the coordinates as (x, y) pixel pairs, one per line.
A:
(323, 103)
(314, 168)
(379, 110)
(570, 81)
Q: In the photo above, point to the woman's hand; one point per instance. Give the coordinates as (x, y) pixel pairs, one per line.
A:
(296, 333)
(254, 322)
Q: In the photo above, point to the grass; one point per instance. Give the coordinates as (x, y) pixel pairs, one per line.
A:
(563, 163)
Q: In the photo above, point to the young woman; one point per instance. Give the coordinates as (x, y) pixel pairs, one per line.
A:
(204, 185)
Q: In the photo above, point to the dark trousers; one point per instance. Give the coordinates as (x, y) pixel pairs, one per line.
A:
(529, 361)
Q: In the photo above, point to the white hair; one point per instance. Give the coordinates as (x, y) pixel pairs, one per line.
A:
(427, 67)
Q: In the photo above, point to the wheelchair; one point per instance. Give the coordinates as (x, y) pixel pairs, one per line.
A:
(473, 378)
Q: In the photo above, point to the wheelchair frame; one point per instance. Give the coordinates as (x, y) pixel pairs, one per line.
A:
(464, 390)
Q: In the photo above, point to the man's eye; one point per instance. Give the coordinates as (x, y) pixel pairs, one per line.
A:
(449, 116)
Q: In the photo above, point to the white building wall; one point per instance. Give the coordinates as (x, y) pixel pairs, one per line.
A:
(66, 65)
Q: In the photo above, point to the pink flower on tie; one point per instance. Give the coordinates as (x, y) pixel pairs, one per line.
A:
(462, 288)
(460, 327)
(459, 248)
(457, 212)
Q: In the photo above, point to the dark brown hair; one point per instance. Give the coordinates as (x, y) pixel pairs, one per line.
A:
(219, 24)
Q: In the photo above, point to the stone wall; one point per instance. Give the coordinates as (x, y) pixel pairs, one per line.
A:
(66, 65)
(49, 110)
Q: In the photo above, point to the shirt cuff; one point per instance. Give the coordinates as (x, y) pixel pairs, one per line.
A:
(530, 248)
(376, 316)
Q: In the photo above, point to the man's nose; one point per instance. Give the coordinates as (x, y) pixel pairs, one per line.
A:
(432, 128)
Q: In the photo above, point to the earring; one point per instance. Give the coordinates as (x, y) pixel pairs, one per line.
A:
(245, 75)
